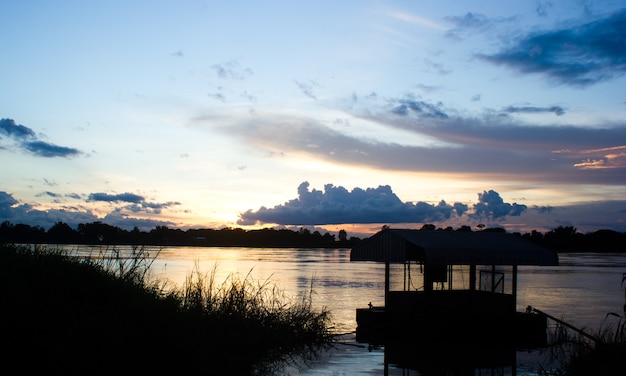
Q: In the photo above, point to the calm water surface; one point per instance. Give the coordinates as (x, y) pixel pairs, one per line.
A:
(581, 290)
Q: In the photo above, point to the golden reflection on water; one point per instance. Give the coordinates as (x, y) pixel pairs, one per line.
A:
(334, 282)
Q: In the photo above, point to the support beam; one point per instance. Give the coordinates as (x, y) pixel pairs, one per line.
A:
(514, 285)
(493, 278)
(387, 285)
(472, 280)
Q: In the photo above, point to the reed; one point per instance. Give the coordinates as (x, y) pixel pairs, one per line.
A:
(102, 314)
(602, 353)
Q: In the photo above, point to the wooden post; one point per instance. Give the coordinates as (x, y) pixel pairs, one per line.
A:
(472, 277)
(387, 285)
(493, 278)
(514, 286)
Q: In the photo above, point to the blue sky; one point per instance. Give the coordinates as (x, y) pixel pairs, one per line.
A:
(347, 114)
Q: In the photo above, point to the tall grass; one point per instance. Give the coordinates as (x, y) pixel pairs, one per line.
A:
(602, 353)
(102, 315)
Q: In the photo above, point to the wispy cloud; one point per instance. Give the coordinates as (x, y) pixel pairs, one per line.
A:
(470, 23)
(232, 70)
(604, 158)
(579, 55)
(557, 110)
(307, 88)
(415, 20)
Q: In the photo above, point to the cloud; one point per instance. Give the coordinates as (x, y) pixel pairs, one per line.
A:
(491, 205)
(8, 127)
(44, 149)
(49, 194)
(218, 96)
(407, 105)
(138, 204)
(337, 205)
(543, 209)
(11, 210)
(415, 20)
(542, 8)
(122, 197)
(438, 68)
(471, 22)
(307, 88)
(492, 143)
(6, 203)
(604, 158)
(580, 55)
(27, 140)
(557, 110)
(232, 70)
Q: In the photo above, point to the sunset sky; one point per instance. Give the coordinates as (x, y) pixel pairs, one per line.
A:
(326, 114)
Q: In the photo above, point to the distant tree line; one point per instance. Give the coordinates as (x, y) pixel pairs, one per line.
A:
(562, 238)
(102, 233)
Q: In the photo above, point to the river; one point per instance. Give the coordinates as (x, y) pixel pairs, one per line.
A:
(581, 291)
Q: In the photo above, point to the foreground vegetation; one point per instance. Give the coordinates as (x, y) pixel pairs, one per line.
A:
(603, 353)
(69, 315)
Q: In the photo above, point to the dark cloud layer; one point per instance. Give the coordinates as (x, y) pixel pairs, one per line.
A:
(494, 144)
(579, 55)
(337, 205)
(27, 140)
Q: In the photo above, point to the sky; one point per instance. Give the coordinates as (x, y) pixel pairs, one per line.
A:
(329, 115)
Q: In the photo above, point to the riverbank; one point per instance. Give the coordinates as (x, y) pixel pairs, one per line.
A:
(79, 316)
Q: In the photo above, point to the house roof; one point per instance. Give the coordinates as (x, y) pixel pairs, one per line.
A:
(451, 248)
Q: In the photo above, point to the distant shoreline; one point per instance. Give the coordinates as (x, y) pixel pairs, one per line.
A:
(561, 239)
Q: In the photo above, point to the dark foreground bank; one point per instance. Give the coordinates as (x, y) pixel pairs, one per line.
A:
(65, 315)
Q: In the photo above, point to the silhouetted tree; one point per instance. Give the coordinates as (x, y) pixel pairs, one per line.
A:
(61, 233)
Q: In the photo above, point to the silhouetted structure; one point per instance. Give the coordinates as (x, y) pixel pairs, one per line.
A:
(454, 287)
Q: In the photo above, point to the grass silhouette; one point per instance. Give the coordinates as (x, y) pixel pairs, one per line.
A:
(103, 315)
